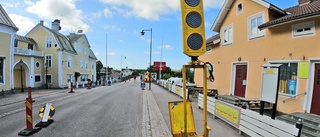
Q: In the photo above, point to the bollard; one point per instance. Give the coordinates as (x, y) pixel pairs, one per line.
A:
(29, 130)
(71, 89)
(299, 125)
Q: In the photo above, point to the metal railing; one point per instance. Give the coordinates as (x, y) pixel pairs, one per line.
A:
(29, 52)
(284, 100)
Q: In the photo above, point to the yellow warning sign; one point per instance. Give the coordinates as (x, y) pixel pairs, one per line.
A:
(176, 111)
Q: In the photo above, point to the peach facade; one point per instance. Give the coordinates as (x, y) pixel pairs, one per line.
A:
(276, 45)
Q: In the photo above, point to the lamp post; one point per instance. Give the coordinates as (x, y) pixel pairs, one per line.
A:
(21, 63)
(46, 64)
(121, 68)
(142, 33)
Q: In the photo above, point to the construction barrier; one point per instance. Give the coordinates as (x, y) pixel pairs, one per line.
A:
(29, 130)
(71, 88)
(46, 113)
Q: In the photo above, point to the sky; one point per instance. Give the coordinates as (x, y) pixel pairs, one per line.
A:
(113, 27)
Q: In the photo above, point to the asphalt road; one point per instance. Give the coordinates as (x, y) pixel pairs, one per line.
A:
(106, 111)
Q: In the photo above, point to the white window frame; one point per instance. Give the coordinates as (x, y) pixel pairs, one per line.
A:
(304, 27)
(85, 51)
(2, 66)
(50, 80)
(39, 75)
(259, 33)
(48, 61)
(227, 28)
(79, 48)
(83, 77)
(92, 65)
(86, 65)
(81, 63)
(238, 10)
(69, 78)
(69, 61)
(49, 42)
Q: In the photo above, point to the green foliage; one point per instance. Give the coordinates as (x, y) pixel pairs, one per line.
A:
(99, 66)
(166, 76)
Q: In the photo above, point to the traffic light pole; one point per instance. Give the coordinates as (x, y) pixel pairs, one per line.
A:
(205, 128)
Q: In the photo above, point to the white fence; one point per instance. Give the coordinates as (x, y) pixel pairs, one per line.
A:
(254, 124)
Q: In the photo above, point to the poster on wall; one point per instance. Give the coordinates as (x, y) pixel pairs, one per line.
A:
(303, 68)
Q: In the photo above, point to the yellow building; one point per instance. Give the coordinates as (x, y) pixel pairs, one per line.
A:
(7, 32)
(66, 58)
(252, 33)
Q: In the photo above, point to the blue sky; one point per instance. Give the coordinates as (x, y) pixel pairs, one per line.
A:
(114, 26)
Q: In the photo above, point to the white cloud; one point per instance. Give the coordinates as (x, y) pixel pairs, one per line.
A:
(166, 47)
(107, 13)
(23, 23)
(112, 54)
(97, 53)
(66, 10)
(152, 9)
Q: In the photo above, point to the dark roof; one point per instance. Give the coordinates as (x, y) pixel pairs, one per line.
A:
(25, 39)
(92, 55)
(296, 13)
(5, 19)
(63, 41)
(74, 37)
(210, 40)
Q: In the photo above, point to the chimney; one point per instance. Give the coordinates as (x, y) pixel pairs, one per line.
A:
(304, 1)
(55, 25)
(41, 22)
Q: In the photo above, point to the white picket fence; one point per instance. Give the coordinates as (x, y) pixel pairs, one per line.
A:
(254, 124)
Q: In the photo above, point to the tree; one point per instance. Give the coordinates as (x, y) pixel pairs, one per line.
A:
(99, 66)
(166, 76)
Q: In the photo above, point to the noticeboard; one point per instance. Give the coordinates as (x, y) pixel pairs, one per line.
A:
(176, 111)
(269, 84)
(228, 113)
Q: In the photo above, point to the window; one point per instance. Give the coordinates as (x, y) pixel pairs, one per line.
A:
(86, 64)
(84, 77)
(253, 22)
(49, 42)
(15, 43)
(239, 8)
(288, 78)
(79, 48)
(209, 50)
(37, 64)
(303, 29)
(48, 61)
(69, 62)
(48, 79)
(85, 51)
(30, 46)
(37, 78)
(1, 70)
(81, 63)
(69, 77)
(92, 65)
(227, 34)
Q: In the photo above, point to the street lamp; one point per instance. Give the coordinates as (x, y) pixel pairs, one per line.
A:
(46, 64)
(142, 33)
(121, 68)
(21, 63)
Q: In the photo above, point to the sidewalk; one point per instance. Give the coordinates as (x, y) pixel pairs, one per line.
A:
(153, 124)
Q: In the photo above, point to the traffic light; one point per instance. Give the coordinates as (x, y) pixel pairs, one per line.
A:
(193, 27)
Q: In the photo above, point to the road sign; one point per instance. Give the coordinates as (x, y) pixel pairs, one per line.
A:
(46, 113)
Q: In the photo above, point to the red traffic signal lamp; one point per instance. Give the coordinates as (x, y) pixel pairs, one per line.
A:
(193, 27)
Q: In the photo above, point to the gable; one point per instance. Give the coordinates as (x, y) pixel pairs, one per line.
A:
(230, 5)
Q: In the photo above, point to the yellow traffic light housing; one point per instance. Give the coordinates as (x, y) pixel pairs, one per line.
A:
(193, 34)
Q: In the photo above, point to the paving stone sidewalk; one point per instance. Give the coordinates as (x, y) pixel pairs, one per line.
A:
(153, 124)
